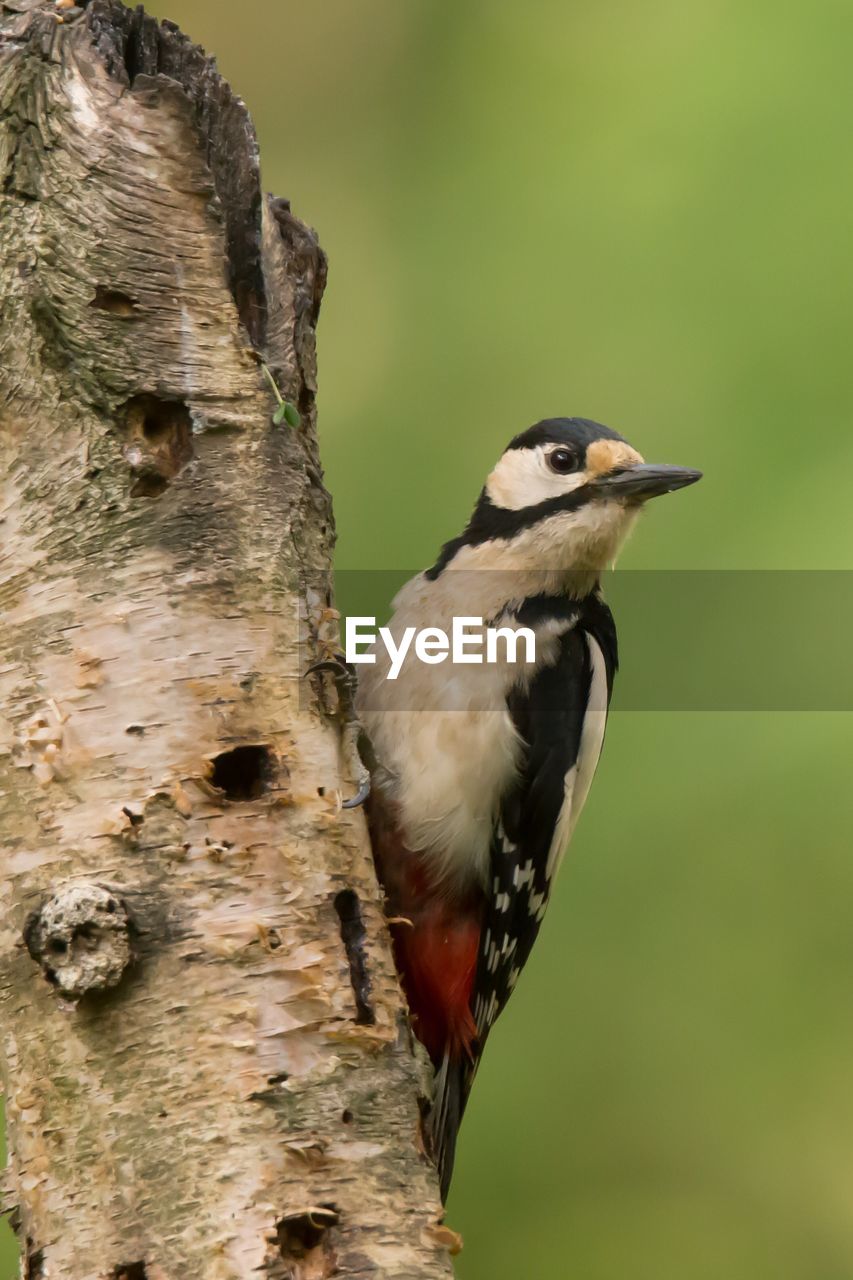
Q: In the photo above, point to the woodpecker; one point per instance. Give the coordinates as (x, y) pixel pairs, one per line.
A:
(480, 772)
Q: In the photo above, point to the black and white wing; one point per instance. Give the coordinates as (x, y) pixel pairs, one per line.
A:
(561, 719)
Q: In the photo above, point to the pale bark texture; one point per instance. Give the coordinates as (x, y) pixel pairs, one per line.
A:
(207, 1063)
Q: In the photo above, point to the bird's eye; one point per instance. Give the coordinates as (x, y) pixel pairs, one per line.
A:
(562, 461)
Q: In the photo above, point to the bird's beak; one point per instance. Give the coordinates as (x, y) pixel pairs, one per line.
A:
(645, 480)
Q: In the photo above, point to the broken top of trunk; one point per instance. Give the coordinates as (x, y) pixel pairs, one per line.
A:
(227, 1086)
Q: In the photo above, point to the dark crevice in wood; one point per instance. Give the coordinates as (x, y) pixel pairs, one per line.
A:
(424, 1115)
(33, 1263)
(353, 936)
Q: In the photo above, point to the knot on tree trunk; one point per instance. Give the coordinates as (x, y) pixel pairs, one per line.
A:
(81, 939)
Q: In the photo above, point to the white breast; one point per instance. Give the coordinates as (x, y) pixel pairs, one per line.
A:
(443, 734)
(447, 773)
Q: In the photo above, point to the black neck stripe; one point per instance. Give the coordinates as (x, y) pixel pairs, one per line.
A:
(489, 523)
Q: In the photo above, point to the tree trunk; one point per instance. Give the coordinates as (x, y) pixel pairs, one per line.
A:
(207, 1062)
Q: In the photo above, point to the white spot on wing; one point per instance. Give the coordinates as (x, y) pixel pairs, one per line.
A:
(522, 876)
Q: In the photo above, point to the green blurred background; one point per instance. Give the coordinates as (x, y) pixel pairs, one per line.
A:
(639, 213)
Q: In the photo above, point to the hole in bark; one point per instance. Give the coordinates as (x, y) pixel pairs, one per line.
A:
(159, 442)
(130, 1271)
(353, 935)
(301, 1233)
(87, 933)
(114, 301)
(159, 419)
(346, 1116)
(244, 773)
(149, 484)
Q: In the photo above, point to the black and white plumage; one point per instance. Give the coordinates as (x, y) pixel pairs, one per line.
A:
(483, 771)
(560, 720)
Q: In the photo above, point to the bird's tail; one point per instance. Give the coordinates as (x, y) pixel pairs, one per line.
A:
(452, 1085)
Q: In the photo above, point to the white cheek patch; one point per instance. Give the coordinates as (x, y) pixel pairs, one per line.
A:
(523, 478)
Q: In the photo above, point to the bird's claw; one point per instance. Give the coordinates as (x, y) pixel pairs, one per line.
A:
(336, 666)
(361, 797)
(346, 680)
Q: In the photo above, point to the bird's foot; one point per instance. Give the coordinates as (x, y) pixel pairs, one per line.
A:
(356, 743)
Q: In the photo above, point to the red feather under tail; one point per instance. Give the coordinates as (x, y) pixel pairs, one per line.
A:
(436, 947)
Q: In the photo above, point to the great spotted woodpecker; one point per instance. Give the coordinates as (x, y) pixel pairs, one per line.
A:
(481, 771)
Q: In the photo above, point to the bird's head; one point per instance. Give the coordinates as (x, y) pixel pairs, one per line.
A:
(564, 496)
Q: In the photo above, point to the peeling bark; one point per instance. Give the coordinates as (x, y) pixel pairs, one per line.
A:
(208, 1067)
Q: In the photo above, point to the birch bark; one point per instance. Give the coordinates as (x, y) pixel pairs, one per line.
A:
(206, 1059)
